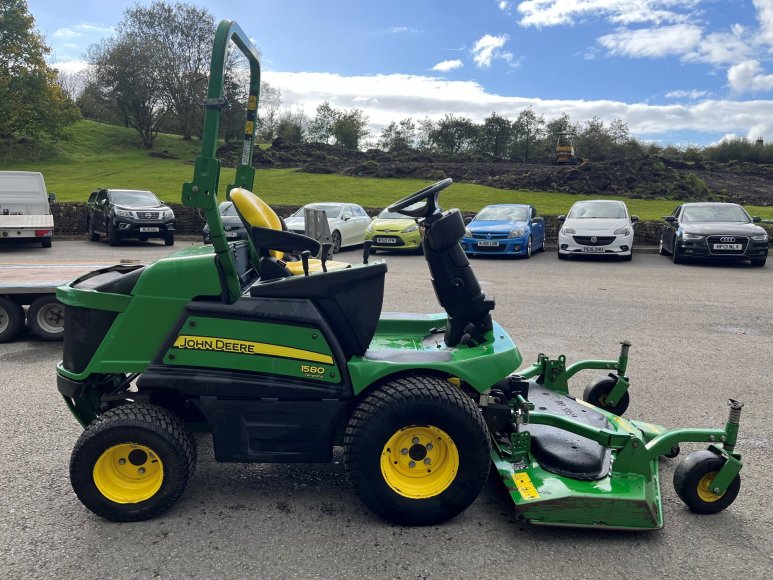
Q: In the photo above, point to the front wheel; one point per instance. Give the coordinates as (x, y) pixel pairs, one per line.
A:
(93, 236)
(112, 235)
(169, 240)
(45, 318)
(132, 463)
(417, 450)
(336, 241)
(562, 256)
(596, 394)
(692, 480)
(676, 256)
(662, 249)
(528, 249)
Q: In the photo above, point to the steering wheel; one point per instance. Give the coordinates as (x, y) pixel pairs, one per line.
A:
(429, 193)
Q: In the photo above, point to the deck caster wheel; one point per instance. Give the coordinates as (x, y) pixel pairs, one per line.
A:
(692, 478)
(596, 394)
(45, 318)
(674, 452)
(417, 451)
(132, 463)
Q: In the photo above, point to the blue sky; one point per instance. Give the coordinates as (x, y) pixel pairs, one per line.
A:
(677, 71)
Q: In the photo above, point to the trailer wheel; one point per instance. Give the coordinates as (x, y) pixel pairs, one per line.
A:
(132, 463)
(417, 450)
(596, 393)
(11, 319)
(692, 478)
(45, 318)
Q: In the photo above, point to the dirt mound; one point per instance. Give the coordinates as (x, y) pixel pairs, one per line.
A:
(646, 177)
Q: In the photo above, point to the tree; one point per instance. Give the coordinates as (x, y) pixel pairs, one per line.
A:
(350, 128)
(528, 130)
(292, 126)
(495, 135)
(398, 137)
(268, 111)
(424, 134)
(31, 101)
(321, 126)
(595, 140)
(454, 134)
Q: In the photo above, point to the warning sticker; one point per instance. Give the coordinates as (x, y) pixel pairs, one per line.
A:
(525, 486)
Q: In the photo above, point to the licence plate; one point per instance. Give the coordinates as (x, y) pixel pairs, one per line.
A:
(231, 234)
(380, 240)
(488, 243)
(593, 249)
(727, 246)
(148, 229)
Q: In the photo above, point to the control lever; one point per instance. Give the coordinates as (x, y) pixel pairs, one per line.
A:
(305, 254)
(366, 250)
(326, 247)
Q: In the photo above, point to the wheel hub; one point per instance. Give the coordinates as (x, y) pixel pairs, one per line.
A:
(704, 491)
(128, 473)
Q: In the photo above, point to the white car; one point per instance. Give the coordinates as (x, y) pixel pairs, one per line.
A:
(596, 227)
(347, 221)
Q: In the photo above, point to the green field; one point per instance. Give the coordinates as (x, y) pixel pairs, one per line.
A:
(97, 155)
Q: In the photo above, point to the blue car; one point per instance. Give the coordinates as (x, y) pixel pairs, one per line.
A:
(505, 229)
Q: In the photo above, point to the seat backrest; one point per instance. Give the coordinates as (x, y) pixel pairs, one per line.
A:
(256, 213)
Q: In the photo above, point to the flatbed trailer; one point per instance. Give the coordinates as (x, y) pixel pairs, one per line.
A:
(34, 286)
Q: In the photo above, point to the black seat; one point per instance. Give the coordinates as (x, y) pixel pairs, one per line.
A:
(560, 451)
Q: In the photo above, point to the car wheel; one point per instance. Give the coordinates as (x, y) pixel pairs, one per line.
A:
(336, 240)
(627, 257)
(46, 242)
(662, 249)
(169, 240)
(676, 256)
(112, 235)
(562, 256)
(529, 249)
(93, 236)
(758, 263)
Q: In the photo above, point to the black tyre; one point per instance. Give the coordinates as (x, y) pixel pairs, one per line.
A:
(529, 249)
(11, 319)
(662, 249)
(562, 256)
(596, 393)
(691, 482)
(169, 240)
(45, 318)
(93, 236)
(336, 241)
(132, 463)
(758, 263)
(417, 450)
(627, 258)
(46, 242)
(112, 235)
(676, 256)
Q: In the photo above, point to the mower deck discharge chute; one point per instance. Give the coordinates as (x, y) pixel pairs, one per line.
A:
(282, 354)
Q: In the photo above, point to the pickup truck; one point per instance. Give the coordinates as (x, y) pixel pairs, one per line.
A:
(128, 213)
(25, 213)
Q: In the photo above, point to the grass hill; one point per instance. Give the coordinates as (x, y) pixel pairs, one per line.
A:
(98, 155)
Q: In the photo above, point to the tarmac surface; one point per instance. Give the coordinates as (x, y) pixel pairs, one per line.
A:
(701, 333)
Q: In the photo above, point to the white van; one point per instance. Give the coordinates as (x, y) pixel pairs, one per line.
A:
(24, 207)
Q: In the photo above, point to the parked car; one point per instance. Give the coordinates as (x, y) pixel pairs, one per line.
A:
(128, 213)
(347, 221)
(601, 227)
(394, 231)
(505, 229)
(713, 230)
(232, 224)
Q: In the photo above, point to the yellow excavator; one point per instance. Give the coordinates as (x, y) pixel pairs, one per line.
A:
(565, 153)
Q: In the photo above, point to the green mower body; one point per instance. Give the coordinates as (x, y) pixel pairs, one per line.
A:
(282, 365)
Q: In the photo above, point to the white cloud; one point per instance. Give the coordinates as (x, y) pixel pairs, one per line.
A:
(765, 17)
(692, 94)
(70, 66)
(397, 96)
(652, 42)
(448, 65)
(747, 76)
(556, 12)
(82, 30)
(488, 47)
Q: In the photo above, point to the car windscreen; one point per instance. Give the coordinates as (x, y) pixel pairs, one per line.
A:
(714, 213)
(227, 209)
(127, 197)
(511, 214)
(591, 209)
(331, 210)
(393, 215)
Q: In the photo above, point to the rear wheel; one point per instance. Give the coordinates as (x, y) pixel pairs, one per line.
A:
(596, 394)
(417, 450)
(11, 319)
(692, 480)
(336, 241)
(112, 235)
(132, 463)
(45, 318)
(46, 242)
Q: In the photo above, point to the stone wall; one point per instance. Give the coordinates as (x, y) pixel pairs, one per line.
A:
(70, 220)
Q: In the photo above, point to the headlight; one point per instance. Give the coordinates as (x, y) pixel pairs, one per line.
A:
(167, 215)
(516, 233)
(623, 231)
(692, 237)
(467, 233)
(566, 231)
(410, 229)
(370, 227)
(124, 213)
(760, 237)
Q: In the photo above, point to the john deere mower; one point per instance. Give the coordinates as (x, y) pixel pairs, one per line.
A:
(282, 354)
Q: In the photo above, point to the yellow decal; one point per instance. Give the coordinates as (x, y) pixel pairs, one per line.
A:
(249, 128)
(248, 347)
(252, 103)
(525, 486)
(625, 425)
(313, 371)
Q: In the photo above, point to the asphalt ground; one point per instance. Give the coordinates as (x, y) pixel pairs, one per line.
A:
(701, 333)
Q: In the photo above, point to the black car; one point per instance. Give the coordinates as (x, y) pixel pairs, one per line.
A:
(713, 230)
(232, 224)
(128, 213)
